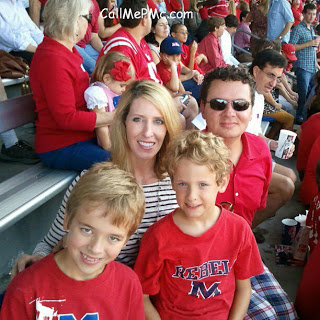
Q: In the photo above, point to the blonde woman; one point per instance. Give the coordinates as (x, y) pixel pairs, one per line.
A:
(145, 121)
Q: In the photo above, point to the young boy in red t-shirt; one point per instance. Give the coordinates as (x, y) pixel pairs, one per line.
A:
(169, 70)
(83, 280)
(196, 262)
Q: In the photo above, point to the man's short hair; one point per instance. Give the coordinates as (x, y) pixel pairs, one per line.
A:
(214, 23)
(268, 56)
(243, 14)
(230, 73)
(309, 6)
(231, 21)
(130, 7)
(204, 149)
(116, 191)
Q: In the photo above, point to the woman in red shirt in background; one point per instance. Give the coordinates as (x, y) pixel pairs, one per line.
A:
(65, 135)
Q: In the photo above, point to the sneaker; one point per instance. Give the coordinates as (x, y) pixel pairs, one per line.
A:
(20, 152)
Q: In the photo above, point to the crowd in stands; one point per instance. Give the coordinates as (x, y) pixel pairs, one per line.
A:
(126, 90)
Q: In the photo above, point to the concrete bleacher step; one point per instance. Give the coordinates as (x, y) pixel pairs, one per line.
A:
(28, 190)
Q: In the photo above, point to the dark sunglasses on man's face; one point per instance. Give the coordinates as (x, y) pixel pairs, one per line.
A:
(220, 104)
(88, 17)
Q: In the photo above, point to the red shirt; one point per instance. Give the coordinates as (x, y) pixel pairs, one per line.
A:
(210, 47)
(114, 294)
(309, 188)
(152, 6)
(58, 81)
(297, 13)
(93, 26)
(164, 73)
(140, 55)
(194, 277)
(249, 180)
(219, 10)
(310, 132)
(174, 5)
(185, 58)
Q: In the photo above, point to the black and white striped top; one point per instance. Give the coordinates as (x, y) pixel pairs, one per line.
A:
(160, 200)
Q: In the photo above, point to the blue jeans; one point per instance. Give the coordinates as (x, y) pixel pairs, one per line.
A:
(89, 56)
(304, 83)
(191, 85)
(79, 156)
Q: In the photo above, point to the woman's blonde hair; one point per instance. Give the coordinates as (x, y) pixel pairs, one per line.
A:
(106, 186)
(106, 63)
(161, 99)
(201, 148)
(61, 16)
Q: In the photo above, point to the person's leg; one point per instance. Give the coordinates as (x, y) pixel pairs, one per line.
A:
(285, 118)
(268, 288)
(280, 191)
(93, 53)
(191, 85)
(303, 80)
(287, 106)
(79, 156)
(23, 54)
(88, 62)
(285, 171)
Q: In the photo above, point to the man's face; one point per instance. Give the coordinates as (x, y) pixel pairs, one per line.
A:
(267, 78)
(309, 16)
(227, 123)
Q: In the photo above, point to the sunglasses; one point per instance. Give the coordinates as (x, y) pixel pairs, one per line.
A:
(220, 104)
(88, 17)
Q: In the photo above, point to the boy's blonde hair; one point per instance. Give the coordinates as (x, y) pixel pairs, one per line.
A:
(117, 191)
(201, 148)
(106, 63)
(159, 96)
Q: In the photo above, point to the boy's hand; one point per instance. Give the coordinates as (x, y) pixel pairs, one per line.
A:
(168, 59)
(198, 78)
(23, 262)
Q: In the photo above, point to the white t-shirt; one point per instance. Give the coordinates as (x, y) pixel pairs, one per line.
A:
(225, 43)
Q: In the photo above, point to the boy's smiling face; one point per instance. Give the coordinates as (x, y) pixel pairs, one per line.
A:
(92, 242)
(196, 190)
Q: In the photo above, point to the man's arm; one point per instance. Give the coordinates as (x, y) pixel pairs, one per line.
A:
(312, 43)
(150, 311)
(241, 300)
(285, 30)
(95, 42)
(34, 11)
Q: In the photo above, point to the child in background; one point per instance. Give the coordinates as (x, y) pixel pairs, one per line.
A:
(169, 70)
(197, 261)
(111, 75)
(83, 281)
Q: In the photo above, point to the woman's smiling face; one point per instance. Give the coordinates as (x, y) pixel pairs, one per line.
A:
(145, 128)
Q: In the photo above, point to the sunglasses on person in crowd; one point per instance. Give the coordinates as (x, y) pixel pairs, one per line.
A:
(88, 17)
(220, 104)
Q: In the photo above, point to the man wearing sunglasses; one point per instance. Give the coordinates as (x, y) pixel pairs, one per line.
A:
(227, 97)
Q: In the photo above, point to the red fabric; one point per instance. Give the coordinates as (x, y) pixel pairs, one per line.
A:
(43, 1)
(313, 221)
(210, 47)
(174, 5)
(152, 6)
(307, 301)
(297, 13)
(249, 180)
(58, 81)
(185, 58)
(172, 264)
(114, 294)
(219, 10)
(93, 26)
(310, 132)
(309, 188)
(140, 55)
(164, 73)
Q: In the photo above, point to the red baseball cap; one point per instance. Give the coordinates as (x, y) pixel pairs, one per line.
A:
(289, 51)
